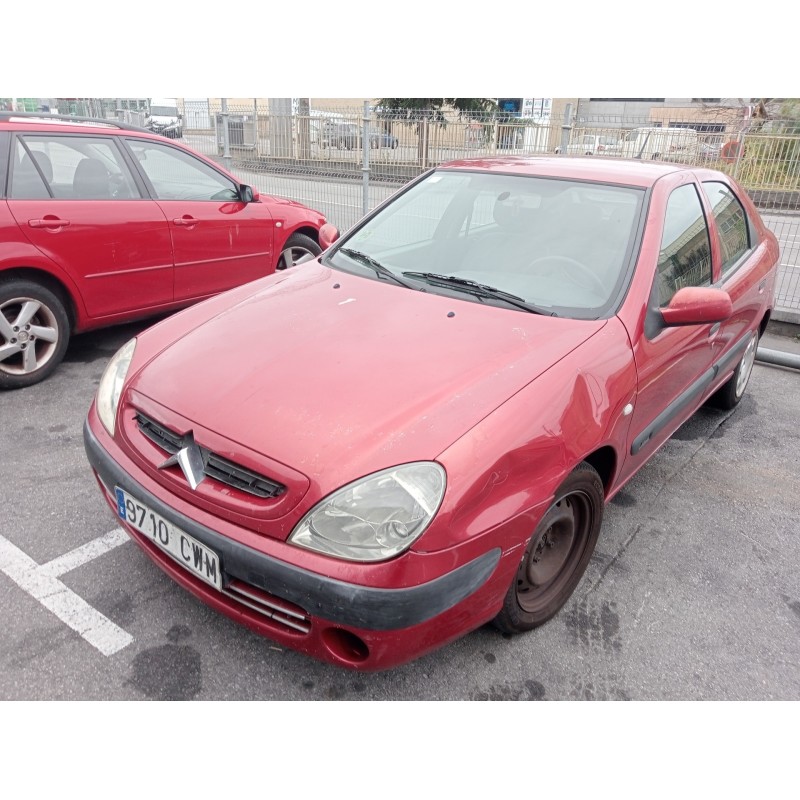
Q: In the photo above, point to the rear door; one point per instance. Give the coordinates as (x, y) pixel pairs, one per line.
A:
(75, 198)
(218, 241)
(742, 264)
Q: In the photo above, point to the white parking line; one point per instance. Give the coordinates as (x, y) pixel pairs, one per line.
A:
(40, 581)
(87, 552)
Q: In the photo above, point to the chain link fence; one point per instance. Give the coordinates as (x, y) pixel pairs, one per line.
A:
(346, 161)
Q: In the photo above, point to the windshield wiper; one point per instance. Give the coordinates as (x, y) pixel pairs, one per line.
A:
(369, 261)
(479, 290)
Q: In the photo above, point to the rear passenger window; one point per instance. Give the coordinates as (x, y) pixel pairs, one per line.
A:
(731, 223)
(69, 168)
(685, 256)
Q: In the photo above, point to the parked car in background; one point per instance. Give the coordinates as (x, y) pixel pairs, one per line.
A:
(709, 150)
(378, 138)
(591, 144)
(478, 367)
(664, 144)
(340, 135)
(102, 222)
(164, 118)
(347, 136)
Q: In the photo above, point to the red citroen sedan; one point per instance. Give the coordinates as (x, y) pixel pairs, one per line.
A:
(474, 370)
(101, 222)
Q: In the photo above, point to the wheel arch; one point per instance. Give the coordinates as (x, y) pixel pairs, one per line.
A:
(51, 282)
(604, 461)
(306, 230)
(762, 328)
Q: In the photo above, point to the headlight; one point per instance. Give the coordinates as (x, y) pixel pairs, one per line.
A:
(110, 389)
(376, 517)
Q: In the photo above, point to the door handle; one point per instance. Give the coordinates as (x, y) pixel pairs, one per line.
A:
(52, 222)
(185, 222)
(714, 330)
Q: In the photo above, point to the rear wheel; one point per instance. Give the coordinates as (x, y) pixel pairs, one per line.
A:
(34, 332)
(297, 246)
(732, 391)
(556, 555)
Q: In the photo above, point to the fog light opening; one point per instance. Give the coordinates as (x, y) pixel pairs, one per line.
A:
(345, 646)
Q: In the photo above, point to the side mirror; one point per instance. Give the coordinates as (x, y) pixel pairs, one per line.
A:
(247, 194)
(697, 305)
(328, 234)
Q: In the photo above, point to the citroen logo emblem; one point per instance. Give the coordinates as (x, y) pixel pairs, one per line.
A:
(190, 459)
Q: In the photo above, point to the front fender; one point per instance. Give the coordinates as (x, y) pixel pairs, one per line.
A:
(513, 461)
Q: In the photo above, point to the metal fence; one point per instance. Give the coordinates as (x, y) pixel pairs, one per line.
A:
(345, 161)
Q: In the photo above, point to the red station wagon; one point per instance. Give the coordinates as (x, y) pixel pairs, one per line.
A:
(475, 370)
(101, 222)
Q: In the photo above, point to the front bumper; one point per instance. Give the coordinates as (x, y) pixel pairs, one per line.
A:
(345, 623)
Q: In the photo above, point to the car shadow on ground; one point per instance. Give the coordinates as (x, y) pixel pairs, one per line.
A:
(86, 348)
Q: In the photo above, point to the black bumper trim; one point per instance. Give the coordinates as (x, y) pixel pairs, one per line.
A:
(330, 599)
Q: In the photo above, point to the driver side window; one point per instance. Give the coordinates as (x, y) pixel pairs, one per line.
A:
(176, 175)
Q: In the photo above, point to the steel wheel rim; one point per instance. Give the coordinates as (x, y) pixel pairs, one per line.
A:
(746, 367)
(29, 335)
(291, 255)
(553, 554)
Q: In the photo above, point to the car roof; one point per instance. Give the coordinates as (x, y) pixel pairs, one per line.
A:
(31, 120)
(629, 172)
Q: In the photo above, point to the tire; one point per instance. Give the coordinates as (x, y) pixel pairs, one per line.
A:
(297, 246)
(34, 333)
(556, 555)
(732, 391)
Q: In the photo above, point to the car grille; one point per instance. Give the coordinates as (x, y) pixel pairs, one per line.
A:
(279, 611)
(214, 466)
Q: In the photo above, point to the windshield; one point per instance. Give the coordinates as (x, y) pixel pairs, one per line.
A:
(559, 245)
(163, 111)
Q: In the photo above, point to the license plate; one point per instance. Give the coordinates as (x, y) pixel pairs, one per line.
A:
(185, 549)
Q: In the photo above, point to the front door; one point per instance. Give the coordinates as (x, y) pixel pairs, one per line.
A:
(674, 365)
(218, 241)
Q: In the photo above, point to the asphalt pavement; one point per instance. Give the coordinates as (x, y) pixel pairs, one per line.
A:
(693, 592)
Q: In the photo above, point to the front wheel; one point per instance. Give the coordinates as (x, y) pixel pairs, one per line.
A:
(556, 555)
(732, 391)
(297, 247)
(34, 332)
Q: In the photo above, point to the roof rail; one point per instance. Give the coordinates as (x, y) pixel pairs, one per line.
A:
(45, 116)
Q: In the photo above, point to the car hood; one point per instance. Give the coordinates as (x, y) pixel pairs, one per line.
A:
(337, 375)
